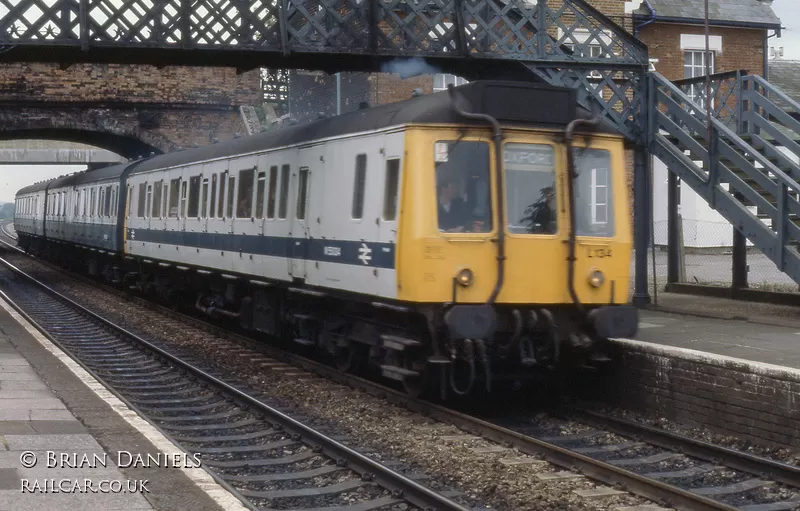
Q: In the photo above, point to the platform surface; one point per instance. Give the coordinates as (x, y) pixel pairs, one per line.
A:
(752, 331)
(48, 411)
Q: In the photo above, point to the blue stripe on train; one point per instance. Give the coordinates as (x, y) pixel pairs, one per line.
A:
(358, 253)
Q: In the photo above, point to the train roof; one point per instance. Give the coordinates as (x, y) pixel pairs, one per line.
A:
(522, 104)
(515, 103)
(111, 172)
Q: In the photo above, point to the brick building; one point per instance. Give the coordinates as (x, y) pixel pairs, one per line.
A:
(675, 36)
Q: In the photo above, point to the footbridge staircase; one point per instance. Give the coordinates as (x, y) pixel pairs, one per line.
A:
(744, 163)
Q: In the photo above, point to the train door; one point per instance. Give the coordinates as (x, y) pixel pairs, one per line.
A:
(241, 195)
(309, 159)
(389, 177)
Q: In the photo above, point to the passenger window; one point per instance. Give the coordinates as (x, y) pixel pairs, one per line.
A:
(184, 194)
(94, 200)
(148, 207)
(156, 211)
(530, 189)
(99, 205)
(462, 186)
(244, 199)
(282, 206)
(76, 211)
(142, 196)
(222, 182)
(204, 193)
(213, 199)
(302, 193)
(108, 201)
(273, 185)
(359, 182)
(165, 201)
(174, 197)
(231, 187)
(194, 197)
(262, 182)
(127, 205)
(391, 189)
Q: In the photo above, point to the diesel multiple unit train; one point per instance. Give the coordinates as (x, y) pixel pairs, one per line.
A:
(448, 241)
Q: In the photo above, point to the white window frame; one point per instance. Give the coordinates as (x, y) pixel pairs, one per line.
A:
(441, 80)
(702, 71)
(593, 202)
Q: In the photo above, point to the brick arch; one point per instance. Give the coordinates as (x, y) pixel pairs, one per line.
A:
(86, 126)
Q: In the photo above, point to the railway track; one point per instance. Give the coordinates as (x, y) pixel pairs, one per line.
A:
(263, 456)
(671, 469)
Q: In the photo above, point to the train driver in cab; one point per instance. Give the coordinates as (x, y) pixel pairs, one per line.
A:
(454, 213)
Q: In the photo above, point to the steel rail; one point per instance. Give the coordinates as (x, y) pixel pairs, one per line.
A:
(369, 469)
(563, 457)
(776, 470)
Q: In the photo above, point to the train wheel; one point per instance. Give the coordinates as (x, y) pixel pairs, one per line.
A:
(349, 359)
(416, 386)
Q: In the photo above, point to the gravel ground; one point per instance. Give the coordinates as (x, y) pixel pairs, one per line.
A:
(778, 453)
(394, 432)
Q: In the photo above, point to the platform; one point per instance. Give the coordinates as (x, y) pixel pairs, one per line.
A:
(759, 332)
(51, 408)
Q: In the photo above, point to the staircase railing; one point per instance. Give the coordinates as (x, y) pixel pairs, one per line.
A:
(770, 122)
(729, 173)
(726, 91)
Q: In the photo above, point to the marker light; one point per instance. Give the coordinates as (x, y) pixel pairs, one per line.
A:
(464, 277)
(597, 278)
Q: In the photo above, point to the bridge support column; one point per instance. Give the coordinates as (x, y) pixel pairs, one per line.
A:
(739, 264)
(642, 201)
(673, 247)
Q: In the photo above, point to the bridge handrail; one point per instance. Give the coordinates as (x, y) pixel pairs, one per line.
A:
(713, 77)
(770, 87)
(720, 127)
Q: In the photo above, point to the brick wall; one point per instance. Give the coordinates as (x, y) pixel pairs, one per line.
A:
(756, 402)
(109, 105)
(128, 83)
(312, 93)
(741, 48)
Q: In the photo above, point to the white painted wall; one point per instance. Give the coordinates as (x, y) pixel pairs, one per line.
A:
(702, 226)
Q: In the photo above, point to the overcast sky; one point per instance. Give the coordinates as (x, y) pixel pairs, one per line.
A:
(789, 13)
(15, 177)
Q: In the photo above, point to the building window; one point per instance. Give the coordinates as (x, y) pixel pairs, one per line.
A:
(441, 81)
(694, 65)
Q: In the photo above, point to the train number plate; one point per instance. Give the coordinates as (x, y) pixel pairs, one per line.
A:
(597, 252)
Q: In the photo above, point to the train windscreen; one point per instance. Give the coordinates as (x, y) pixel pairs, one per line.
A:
(530, 188)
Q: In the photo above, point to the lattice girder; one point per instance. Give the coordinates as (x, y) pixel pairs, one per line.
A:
(504, 29)
(547, 36)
